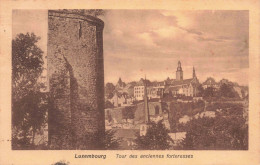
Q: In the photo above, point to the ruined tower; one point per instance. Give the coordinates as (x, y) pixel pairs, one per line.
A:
(76, 74)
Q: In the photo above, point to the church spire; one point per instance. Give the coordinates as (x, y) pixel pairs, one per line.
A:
(179, 68)
(179, 64)
(194, 74)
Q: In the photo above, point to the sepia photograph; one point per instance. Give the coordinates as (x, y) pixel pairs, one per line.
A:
(128, 79)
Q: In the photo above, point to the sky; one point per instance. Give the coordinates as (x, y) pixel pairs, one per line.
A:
(31, 21)
(151, 42)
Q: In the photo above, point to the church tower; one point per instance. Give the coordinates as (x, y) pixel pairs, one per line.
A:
(179, 72)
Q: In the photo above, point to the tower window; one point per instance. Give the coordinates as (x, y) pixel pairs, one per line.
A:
(80, 30)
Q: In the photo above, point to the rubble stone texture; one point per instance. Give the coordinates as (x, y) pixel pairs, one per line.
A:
(76, 74)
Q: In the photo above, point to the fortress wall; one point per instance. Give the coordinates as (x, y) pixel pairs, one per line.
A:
(76, 74)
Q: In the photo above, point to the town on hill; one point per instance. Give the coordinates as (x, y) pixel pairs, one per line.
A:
(182, 106)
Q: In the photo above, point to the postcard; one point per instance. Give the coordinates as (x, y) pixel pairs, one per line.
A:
(174, 82)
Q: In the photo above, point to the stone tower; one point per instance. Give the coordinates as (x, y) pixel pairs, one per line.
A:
(179, 72)
(144, 127)
(76, 74)
(146, 104)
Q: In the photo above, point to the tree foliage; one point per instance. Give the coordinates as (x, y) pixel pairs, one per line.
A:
(109, 89)
(200, 90)
(29, 105)
(209, 92)
(165, 106)
(108, 104)
(27, 64)
(179, 109)
(62, 162)
(101, 141)
(128, 112)
(226, 90)
(220, 133)
(156, 138)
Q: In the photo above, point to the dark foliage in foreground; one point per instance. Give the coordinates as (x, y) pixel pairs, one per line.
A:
(62, 162)
(99, 141)
(219, 133)
(156, 138)
(28, 103)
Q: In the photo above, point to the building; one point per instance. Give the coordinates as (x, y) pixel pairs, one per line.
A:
(118, 99)
(121, 99)
(154, 90)
(120, 84)
(210, 82)
(180, 86)
(175, 87)
(186, 87)
(139, 89)
(139, 92)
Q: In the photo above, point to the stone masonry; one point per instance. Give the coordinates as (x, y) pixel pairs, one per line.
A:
(76, 74)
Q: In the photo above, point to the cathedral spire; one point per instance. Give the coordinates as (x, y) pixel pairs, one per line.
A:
(194, 74)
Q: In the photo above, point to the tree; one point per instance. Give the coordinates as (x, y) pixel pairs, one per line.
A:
(200, 90)
(226, 90)
(156, 138)
(108, 104)
(128, 112)
(199, 134)
(109, 89)
(28, 103)
(101, 141)
(165, 106)
(209, 92)
(223, 133)
(175, 113)
(62, 162)
(27, 64)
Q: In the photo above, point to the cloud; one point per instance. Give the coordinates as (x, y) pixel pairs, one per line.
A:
(152, 40)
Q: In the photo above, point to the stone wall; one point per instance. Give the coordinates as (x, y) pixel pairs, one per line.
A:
(76, 74)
